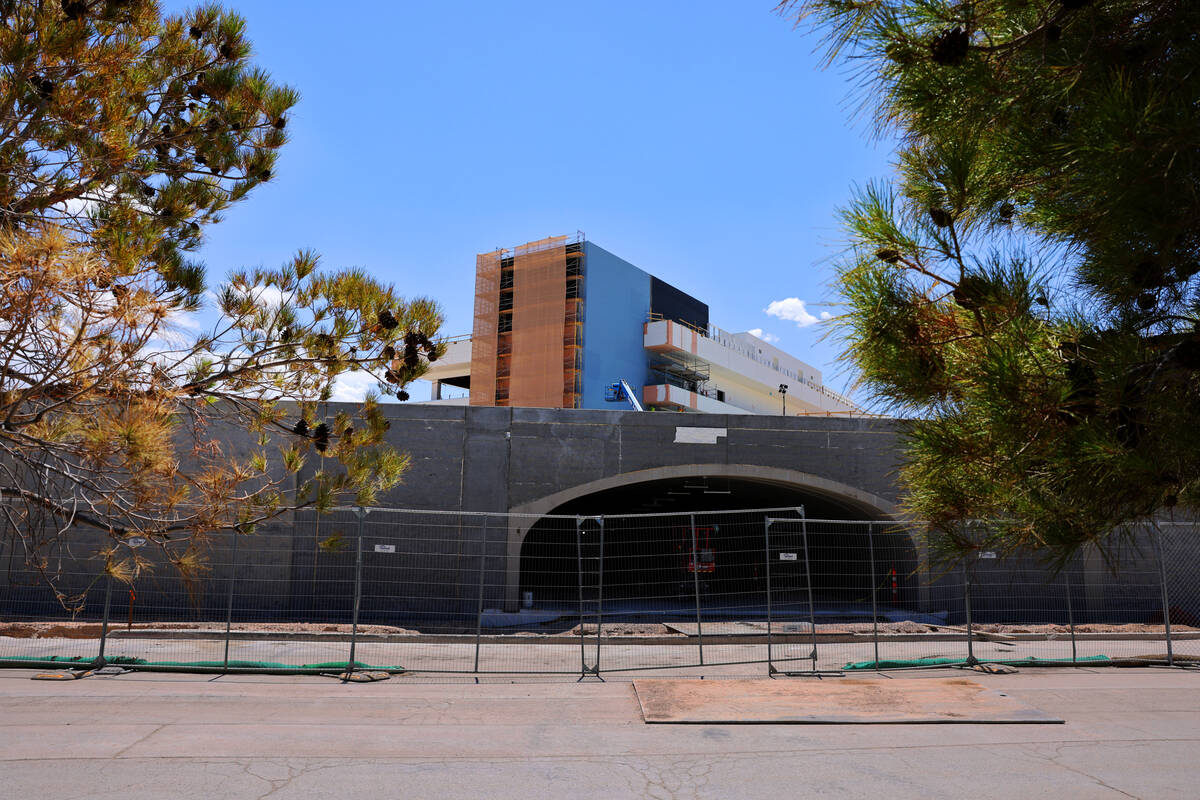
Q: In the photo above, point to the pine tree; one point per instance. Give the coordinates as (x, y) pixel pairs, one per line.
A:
(1024, 292)
(123, 135)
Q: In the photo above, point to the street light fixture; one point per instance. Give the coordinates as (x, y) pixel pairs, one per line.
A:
(783, 387)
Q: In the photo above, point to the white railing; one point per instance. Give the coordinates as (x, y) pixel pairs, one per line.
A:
(727, 340)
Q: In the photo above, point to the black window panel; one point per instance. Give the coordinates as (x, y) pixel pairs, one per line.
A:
(671, 303)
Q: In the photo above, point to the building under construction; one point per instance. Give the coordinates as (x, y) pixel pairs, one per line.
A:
(563, 323)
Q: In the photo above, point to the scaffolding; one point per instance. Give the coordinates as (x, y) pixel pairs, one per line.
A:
(538, 311)
(527, 345)
(678, 368)
(484, 344)
(573, 327)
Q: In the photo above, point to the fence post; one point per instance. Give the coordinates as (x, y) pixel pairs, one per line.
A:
(767, 571)
(967, 605)
(229, 597)
(812, 614)
(362, 515)
(696, 586)
(479, 608)
(100, 662)
(599, 593)
(579, 581)
(1166, 601)
(874, 602)
(1070, 614)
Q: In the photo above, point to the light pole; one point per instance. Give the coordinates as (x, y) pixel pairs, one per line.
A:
(783, 387)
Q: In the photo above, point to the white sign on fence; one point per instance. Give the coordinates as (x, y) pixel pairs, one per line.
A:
(787, 556)
(385, 548)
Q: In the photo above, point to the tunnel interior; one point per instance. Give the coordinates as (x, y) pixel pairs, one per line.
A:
(664, 544)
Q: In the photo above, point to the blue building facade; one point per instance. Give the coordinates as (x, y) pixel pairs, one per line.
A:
(616, 304)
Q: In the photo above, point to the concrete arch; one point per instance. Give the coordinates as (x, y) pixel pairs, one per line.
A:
(872, 505)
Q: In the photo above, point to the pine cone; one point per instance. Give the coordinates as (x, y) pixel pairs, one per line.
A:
(971, 292)
(43, 86)
(887, 255)
(74, 9)
(1186, 269)
(941, 217)
(321, 437)
(301, 428)
(1187, 354)
(949, 48)
(1147, 274)
(386, 320)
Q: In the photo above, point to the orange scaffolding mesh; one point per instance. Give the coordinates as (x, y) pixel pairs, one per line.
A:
(539, 310)
(484, 333)
(572, 353)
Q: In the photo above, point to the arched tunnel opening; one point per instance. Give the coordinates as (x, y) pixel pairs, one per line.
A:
(665, 543)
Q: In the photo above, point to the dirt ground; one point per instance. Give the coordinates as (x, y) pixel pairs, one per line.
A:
(91, 630)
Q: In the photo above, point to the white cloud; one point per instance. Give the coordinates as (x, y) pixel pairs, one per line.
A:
(352, 387)
(177, 328)
(268, 296)
(793, 309)
(184, 320)
(766, 337)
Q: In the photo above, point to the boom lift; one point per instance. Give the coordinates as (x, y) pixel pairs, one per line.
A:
(621, 390)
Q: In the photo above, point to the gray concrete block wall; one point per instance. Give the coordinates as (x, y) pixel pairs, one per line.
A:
(467, 459)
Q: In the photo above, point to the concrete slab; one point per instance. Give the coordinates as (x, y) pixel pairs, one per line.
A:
(144, 736)
(849, 701)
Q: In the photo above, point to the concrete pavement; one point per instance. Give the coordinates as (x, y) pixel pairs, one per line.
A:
(1129, 733)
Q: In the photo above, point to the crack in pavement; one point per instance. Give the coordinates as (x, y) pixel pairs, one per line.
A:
(122, 751)
(1056, 760)
(670, 781)
(797, 751)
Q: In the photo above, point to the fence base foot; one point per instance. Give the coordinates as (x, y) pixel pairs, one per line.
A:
(592, 672)
(802, 673)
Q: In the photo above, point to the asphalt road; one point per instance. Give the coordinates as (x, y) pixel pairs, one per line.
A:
(1128, 733)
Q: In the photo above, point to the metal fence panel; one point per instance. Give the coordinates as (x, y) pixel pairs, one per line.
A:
(464, 592)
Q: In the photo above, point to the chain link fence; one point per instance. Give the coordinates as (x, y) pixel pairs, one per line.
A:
(764, 590)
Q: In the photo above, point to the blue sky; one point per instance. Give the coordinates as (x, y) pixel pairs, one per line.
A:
(700, 141)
